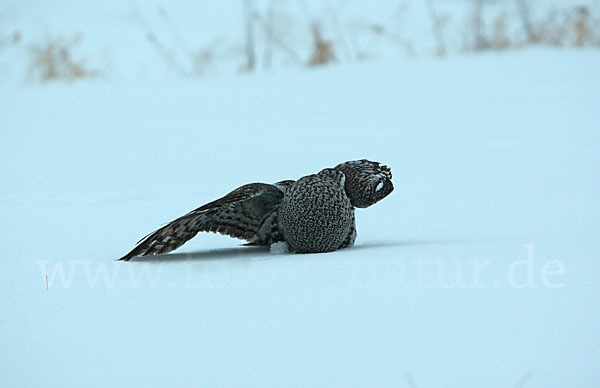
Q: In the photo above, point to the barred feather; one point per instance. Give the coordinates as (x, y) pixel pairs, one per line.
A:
(239, 214)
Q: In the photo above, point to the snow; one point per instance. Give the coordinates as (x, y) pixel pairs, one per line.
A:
(478, 270)
(279, 248)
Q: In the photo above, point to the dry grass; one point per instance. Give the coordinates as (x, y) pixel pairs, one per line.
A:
(269, 34)
(325, 39)
(574, 27)
(322, 49)
(53, 61)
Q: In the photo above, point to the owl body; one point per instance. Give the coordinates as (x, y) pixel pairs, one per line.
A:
(313, 214)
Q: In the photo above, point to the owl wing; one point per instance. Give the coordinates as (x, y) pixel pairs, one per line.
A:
(246, 213)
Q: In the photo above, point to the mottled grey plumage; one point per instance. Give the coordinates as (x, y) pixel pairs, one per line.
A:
(313, 214)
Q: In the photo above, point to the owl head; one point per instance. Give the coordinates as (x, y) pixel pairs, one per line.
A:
(366, 182)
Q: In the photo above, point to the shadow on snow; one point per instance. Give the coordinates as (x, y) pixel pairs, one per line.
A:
(251, 252)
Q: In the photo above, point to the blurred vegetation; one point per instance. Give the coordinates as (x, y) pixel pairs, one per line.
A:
(330, 37)
(53, 60)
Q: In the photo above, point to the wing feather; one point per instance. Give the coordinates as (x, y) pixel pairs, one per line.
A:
(239, 214)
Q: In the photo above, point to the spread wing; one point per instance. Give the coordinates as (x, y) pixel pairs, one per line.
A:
(239, 214)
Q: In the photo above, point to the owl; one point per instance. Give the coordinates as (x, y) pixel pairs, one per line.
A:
(313, 214)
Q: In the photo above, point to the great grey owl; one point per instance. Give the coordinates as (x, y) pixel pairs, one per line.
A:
(313, 214)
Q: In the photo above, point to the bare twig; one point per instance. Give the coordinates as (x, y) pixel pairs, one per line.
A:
(346, 47)
(165, 55)
(164, 15)
(526, 20)
(157, 44)
(250, 45)
(480, 40)
(268, 26)
(278, 41)
(437, 29)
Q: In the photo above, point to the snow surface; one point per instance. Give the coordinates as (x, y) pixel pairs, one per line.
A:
(495, 162)
(480, 269)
